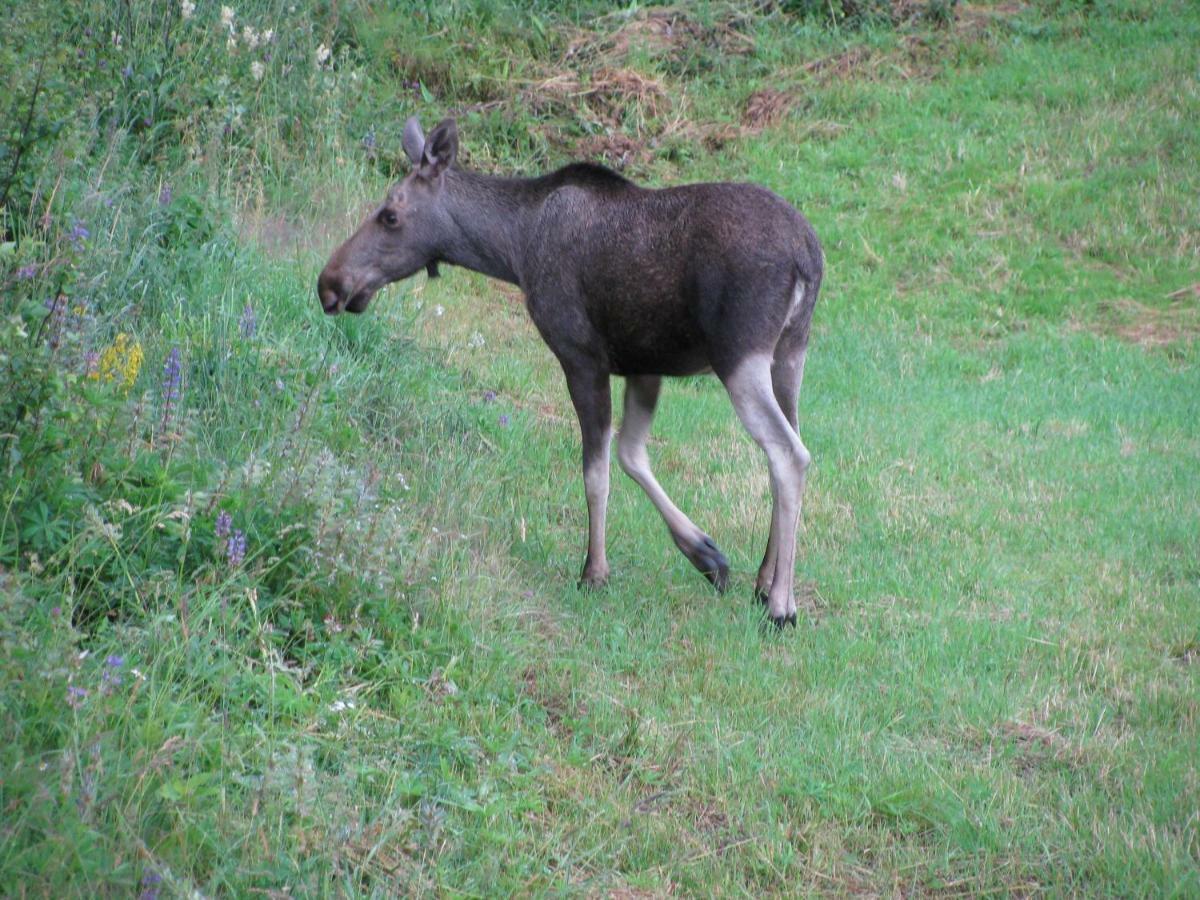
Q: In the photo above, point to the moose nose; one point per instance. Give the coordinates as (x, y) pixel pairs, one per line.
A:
(330, 292)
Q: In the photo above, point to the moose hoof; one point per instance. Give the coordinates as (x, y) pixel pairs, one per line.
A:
(592, 582)
(711, 562)
(760, 594)
(784, 621)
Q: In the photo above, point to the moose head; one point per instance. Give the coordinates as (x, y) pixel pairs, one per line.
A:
(403, 234)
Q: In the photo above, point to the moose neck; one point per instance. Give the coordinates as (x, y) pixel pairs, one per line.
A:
(489, 216)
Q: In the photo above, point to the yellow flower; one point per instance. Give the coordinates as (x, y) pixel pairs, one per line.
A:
(121, 361)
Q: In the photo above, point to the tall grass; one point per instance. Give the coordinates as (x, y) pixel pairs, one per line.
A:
(288, 604)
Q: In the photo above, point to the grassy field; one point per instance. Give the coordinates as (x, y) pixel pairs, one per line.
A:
(288, 604)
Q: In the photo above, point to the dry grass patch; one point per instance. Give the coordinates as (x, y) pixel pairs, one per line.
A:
(1150, 327)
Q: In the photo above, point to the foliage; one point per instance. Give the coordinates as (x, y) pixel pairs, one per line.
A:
(286, 602)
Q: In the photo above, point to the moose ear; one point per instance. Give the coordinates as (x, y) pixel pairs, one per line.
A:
(441, 147)
(413, 140)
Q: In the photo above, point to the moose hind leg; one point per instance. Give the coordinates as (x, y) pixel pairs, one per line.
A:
(590, 395)
(641, 396)
(787, 373)
(751, 389)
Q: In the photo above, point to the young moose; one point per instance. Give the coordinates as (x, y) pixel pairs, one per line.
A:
(622, 280)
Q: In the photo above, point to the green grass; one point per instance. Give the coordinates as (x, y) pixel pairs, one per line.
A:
(400, 690)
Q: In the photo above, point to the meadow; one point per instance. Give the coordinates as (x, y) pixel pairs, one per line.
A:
(288, 602)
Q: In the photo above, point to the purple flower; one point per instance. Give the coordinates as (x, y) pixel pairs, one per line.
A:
(91, 363)
(489, 396)
(504, 420)
(369, 140)
(56, 610)
(150, 882)
(26, 272)
(147, 121)
(171, 377)
(114, 661)
(127, 72)
(236, 551)
(78, 234)
(75, 696)
(224, 521)
(164, 195)
(248, 324)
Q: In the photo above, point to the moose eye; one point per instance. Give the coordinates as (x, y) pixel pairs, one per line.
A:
(389, 218)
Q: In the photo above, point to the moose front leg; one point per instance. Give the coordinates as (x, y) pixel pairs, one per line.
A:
(590, 394)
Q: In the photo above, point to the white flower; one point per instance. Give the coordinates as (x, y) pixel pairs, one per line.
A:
(439, 310)
(232, 42)
(257, 69)
(227, 17)
(116, 39)
(250, 36)
(187, 8)
(322, 54)
(268, 36)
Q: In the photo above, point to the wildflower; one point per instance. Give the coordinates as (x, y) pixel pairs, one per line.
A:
(78, 234)
(171, 377)
(369, 141)
(116, 39)
(250, 37)
(236, 551)
(121, 361)
(257, 69)
(56, 610)
(248, 323)
(187, 9)
(127, 72)
(164, 195)
(56, 315)
(489, 396)
(268, 36)
(504, 420)
(91, 365)
(112, 677)
(231, 44)
(476, 341)
(323, 53)
(150, 882)
(26, 272)
(227, 17)
(439, 310)
(224, 521)
(75, 696)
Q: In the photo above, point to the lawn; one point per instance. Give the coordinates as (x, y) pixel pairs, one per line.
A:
(297, 611)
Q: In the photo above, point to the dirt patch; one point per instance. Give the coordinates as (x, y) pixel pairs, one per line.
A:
(666, 33)
(1151, 327)
(766, 107)
(555, 701)
(1037, 746)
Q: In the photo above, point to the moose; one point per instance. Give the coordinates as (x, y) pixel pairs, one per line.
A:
(623, 280)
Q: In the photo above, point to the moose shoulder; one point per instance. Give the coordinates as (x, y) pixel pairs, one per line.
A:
(623, 280)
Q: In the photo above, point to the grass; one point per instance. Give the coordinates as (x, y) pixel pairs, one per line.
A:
(401, 690)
